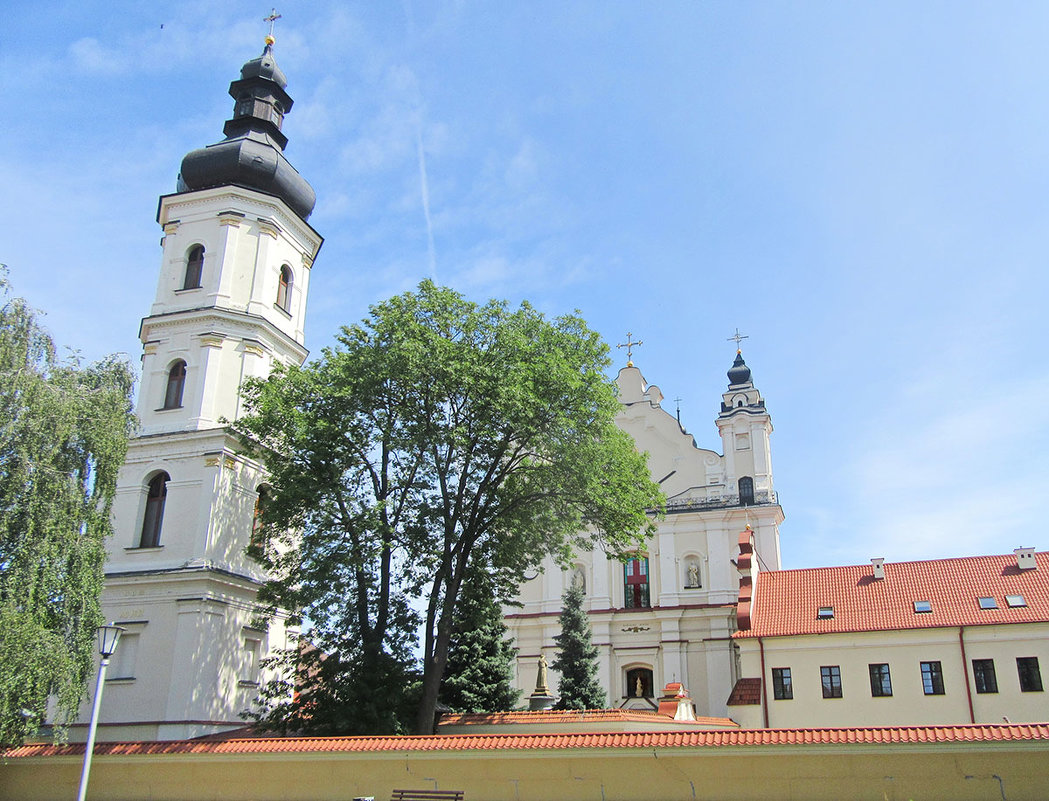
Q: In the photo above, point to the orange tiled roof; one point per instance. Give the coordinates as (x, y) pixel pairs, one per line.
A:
(568, 716)
(786, 601)
(745, 693)
(527, 742)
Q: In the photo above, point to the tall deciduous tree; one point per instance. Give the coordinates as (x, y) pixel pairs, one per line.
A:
(576, 660)
(438, 440)
(63, 435)
(479, 675)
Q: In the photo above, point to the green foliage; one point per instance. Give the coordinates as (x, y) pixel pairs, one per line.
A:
(576, 660)
(63, 435)
(438, 441)
(479, 674)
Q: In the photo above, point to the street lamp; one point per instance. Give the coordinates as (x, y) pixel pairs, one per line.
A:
(108, 636)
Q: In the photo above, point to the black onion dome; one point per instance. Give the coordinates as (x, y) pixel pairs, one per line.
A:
(739, 373)
(252, 154)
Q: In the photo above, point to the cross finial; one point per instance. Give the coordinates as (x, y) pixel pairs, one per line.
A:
(629, 348)
(737, 337)
(273, 17)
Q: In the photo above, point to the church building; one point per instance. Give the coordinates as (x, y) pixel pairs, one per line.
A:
(237, 251)
(668, 614)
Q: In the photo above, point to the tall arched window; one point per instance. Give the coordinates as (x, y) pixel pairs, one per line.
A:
(257, 518)
(176, 384)
(194, 267)
(635, 583)
(746, 491)
(284, 288)
(154, 517)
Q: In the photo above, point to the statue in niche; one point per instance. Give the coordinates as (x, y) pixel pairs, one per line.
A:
(579, 579)
(639, 688)
(693, 575)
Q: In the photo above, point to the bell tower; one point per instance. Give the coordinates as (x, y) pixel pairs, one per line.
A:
(237, 252)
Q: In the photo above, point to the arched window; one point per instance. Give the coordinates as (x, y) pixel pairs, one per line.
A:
(284, 288)
(194, 267)
(639, 683)
(635, 583)
(257, 518)
(176, 384)
(154, 517)
(746, 491)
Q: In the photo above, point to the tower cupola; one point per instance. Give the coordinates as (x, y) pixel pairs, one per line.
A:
(252, 154)
(739, 373)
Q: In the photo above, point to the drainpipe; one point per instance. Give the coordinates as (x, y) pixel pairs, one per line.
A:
(764, 681)
(965, 671)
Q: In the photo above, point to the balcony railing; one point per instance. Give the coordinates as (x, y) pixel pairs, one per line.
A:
(721, 502)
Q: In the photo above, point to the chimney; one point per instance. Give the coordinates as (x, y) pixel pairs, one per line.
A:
(879, 568)
(1025, 559)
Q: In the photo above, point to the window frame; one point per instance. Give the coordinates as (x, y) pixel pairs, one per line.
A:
(932, 678)
(1029, 674)
(194, 274)
(922, 607)
(642, 597)
(1016, 601)
(745, 487)
(881, 679)
(153, 516)
(987, 602)
(285, 283)
(175, 387)
(985, 678)
(782, 684)
(830, 680)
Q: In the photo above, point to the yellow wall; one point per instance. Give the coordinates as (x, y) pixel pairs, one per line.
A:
(956, 771)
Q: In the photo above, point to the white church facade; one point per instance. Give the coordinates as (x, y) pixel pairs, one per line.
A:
(669, 613)
(230, 303)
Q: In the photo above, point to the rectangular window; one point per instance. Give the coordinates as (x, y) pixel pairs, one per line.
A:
(782, 689)
(830, 675)
(922, 606)
(932, 678)
(825, 613)
(635, 583)
(983, 676)
(1030, 675)
(1015, 600)
(881, 683)
(988, 602)
(122, 663)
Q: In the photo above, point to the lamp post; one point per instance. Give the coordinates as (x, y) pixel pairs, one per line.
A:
(107, 644)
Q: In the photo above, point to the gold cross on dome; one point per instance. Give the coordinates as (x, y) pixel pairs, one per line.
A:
(273, 17)
(737, 337)
(630, 348)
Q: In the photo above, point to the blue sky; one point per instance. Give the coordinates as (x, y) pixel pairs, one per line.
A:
(859, 187)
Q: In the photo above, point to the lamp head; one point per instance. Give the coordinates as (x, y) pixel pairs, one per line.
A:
(108, 636)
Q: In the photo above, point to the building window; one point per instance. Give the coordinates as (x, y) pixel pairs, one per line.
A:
(194, 267)
(284, 288)
(825, 613)
(922, 606)
(176, 384)
(122, 664)
(251, 650)
(830, 675)
(746, 491)
(635, 583)
(983, 675)
(932, 678)
(639, 683)
(1030, 676)
(782, 689)
(988, 602)
(1015, 600)
(881, 683)
(258, 515)
(154, 517)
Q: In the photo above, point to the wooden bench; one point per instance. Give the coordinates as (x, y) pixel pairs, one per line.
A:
(427, 795)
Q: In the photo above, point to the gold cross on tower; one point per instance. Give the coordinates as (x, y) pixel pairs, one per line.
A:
(737, 337)
(273, 17)
(630, 348)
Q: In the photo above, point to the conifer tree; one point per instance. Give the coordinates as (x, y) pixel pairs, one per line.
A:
(576, 661)
(479, 674)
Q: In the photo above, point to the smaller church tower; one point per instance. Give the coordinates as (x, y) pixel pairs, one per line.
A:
(237, 252)
(745, 426)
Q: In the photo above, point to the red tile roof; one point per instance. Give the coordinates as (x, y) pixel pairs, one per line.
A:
(745, 693)
(986, 733)
(786, 601)
(571, 716)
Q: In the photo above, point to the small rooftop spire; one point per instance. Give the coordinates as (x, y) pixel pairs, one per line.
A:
(273, 17)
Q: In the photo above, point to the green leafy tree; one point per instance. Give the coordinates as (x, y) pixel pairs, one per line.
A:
(479, 675)
(576, 660)
(439, 440)
(63, 435)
